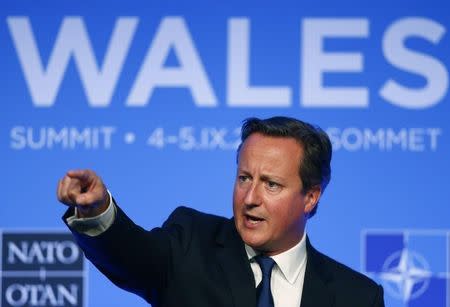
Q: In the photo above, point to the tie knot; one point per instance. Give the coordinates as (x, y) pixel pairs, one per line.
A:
(266, 264)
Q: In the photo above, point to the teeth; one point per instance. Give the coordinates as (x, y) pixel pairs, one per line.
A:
(253, 220)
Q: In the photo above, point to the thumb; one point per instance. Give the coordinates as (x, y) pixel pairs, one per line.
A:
(93, 197)
(82, 199)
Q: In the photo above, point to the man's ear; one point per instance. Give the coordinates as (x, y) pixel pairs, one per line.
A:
(312, 197)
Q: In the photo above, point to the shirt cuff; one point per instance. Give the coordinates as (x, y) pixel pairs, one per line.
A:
(94, 226)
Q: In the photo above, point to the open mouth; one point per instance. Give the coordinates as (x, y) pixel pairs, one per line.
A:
(253, 219)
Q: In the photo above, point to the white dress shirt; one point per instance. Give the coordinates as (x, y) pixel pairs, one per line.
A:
(288, 273)
(286, 282)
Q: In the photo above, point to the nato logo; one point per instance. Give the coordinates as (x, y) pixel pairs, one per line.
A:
(41, 269)
(411, 265)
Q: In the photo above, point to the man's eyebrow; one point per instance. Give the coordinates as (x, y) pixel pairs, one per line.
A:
(265, 177)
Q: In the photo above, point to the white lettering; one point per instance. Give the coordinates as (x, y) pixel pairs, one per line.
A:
(384, 139)
(18, 140)
(73, 41)
(433, 133)
(371, 137)
(315, 62)
(352, 139)
(65, 295)
(393, 138)
(57, 137)
(72, 255)
(42, 295)
(239, 91)
(44, 252)
(99, 77)
(16, 295)
(35, 252)
(65, 138)
(430, 68)
(172, 33)
(14, 251)
(416, 142)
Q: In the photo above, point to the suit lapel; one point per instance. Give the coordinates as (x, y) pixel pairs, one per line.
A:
(316, 291)
(233, 259)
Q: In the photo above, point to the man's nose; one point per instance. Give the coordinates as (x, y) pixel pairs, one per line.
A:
(253, 196)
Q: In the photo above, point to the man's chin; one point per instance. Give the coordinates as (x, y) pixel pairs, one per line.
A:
(253, 241)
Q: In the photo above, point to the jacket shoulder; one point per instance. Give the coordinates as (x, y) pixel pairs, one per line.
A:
(350, 288)
(187, 224)
(344, 273)
(186, 215)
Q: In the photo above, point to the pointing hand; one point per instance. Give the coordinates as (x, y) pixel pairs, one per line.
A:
(85, 190)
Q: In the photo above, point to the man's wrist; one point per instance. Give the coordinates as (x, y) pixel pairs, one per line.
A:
(93, 226)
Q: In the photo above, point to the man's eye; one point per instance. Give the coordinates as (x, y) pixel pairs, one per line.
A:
(243, 178)
(273, 185)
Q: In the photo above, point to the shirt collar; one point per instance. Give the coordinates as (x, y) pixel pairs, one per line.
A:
(290, 262)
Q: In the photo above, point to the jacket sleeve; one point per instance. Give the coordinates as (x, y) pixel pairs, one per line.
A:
(135, 259)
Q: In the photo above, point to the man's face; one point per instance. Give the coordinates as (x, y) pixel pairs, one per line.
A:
(269, 207)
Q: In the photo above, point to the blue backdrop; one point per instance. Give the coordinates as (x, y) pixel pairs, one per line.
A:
(150, 94)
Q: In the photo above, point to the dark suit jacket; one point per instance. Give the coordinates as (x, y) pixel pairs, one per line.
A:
(197, 259)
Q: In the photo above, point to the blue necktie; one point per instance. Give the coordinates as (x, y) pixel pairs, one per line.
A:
(265, 298)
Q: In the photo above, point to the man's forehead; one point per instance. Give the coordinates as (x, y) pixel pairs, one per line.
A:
(258, 138)
(276, 150)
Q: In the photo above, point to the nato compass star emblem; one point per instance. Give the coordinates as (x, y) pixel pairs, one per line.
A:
(405, 275)
(413, 266)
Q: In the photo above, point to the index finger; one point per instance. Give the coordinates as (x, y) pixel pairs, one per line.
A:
(83, 175)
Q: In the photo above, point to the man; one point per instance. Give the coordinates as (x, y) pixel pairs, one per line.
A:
(261, 256)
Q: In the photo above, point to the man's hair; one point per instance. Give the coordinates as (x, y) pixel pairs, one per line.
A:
(315, 164)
